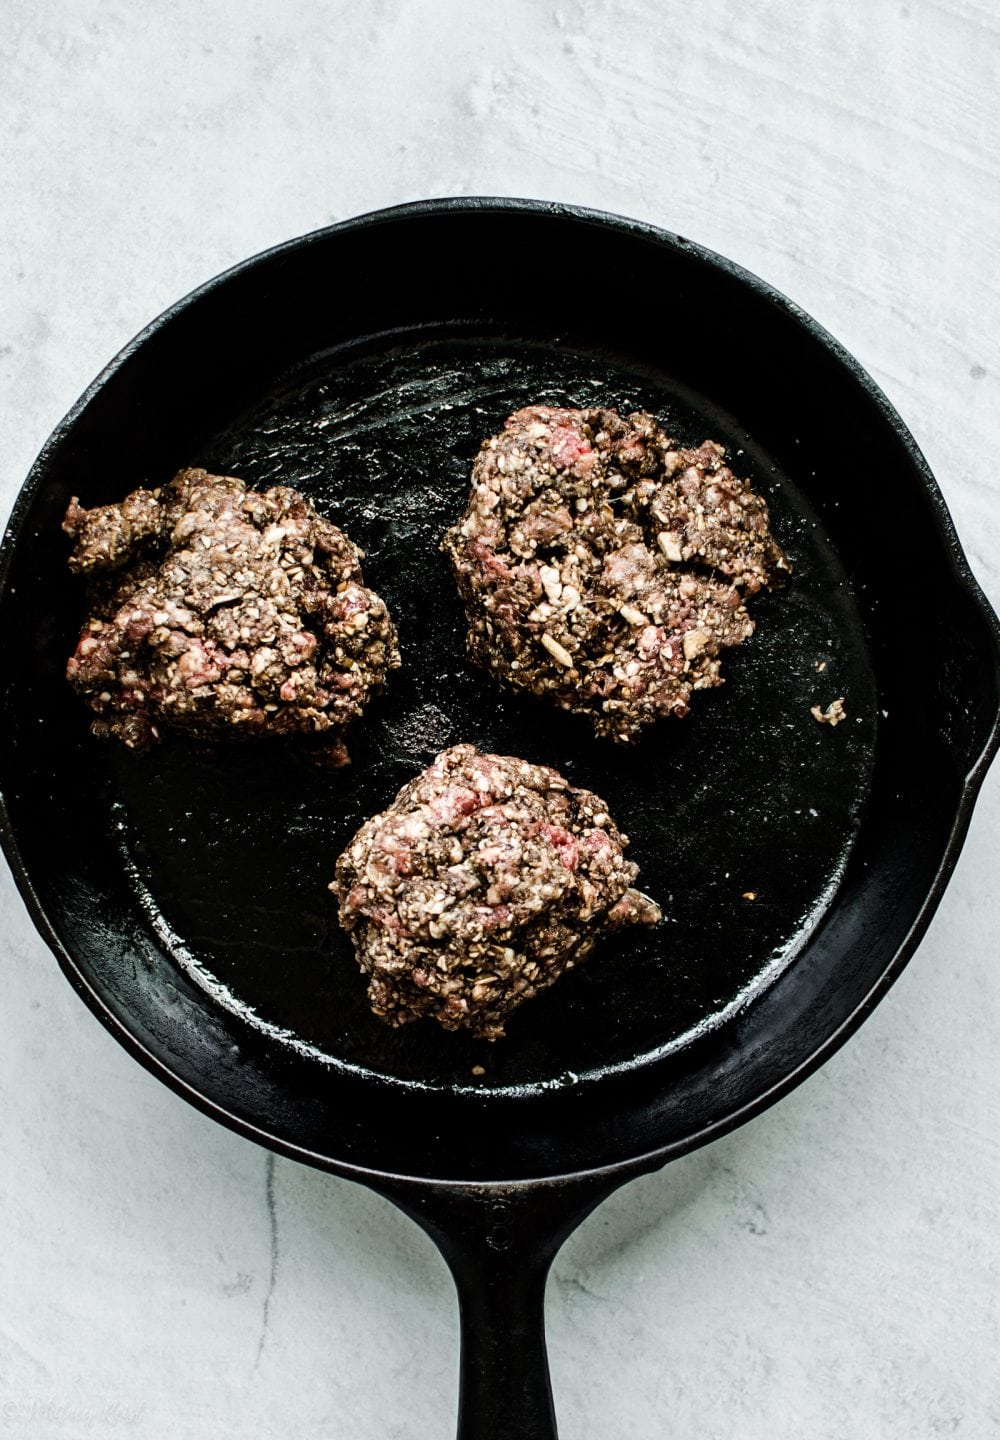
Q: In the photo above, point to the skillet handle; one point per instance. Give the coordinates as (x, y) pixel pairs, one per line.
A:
(499, 1242)
(504, 1389)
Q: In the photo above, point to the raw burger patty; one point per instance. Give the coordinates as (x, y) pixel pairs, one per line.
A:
(481, 884)
(606, 567)
(219, 611)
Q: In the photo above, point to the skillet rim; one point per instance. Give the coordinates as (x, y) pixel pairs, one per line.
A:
(960, 574)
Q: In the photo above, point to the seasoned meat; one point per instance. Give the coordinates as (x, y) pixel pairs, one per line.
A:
(606, 567)
(219, 611)
(484, 881)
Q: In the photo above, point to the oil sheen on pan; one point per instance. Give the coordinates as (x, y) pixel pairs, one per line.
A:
(740, 816)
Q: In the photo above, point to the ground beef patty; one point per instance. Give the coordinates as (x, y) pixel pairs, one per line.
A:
(605, 566)
(481, 884)
(219, 611)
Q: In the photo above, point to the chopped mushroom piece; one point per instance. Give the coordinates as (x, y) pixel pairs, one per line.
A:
(605, 566)
(484, 881)
(832, 715)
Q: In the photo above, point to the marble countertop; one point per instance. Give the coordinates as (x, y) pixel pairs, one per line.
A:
(830, 1270)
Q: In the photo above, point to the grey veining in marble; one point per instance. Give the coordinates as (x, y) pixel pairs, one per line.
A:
(833, 1269)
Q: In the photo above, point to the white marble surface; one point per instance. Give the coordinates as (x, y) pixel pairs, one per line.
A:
(832, 1270)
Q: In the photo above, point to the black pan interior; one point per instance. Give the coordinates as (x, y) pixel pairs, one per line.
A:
(190, 885)
(234, 852)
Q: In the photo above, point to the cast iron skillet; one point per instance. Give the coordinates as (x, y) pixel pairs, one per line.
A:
(184, 892)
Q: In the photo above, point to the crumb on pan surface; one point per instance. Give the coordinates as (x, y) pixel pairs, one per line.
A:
(484, 881)
(221, 611)
(604, 566)
(832, 715)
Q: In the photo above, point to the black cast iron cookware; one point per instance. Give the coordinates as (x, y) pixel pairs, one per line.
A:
(184, 892)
